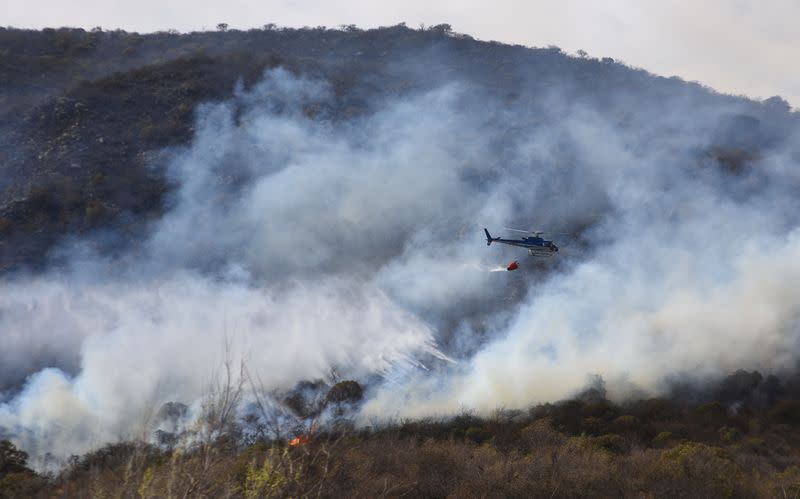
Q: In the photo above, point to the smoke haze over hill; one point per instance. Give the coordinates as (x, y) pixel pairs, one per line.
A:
(738, 47)
(311, 239)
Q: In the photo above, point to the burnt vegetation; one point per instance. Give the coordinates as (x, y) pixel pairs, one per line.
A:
(738, 438)
(85, 116)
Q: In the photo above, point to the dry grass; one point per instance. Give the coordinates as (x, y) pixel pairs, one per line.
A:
(546, 463)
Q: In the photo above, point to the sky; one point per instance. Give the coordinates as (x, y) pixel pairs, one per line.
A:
(741, 47)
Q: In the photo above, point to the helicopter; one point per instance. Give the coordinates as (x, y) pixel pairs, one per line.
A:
(533, 241)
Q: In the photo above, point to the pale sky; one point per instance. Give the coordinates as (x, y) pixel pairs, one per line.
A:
(735, 46)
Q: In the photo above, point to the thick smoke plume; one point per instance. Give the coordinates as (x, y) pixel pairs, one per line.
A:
(310, 241)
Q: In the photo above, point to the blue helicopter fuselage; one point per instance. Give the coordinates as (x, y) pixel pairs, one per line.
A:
(535, 245)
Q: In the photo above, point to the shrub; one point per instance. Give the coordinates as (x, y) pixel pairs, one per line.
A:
(626, 423)
(611, 443)
(784, 484)
(710, 414)
(662, 438)
(16, 479)
(264, 481)
(697, 470)
(457, 434)
(728, 435)
(541, 433)
(653, 409)
(786, 412)
(755, 445)
(21, 484)
(12, 460)
(593, 426)
(478, 435)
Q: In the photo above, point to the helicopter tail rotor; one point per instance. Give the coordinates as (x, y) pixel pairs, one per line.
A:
(489, 238)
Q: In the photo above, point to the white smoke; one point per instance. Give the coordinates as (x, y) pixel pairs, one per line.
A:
(160, 339)
(313, 242)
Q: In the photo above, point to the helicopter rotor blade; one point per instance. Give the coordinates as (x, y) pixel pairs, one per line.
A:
(541, 232)
(522, 231)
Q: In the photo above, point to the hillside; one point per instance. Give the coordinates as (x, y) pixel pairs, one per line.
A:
(84, 115)
(585, 447)
(308, 205)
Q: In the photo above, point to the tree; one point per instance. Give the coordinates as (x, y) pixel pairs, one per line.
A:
(222, 26)
(444, 29)
(12, 460)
